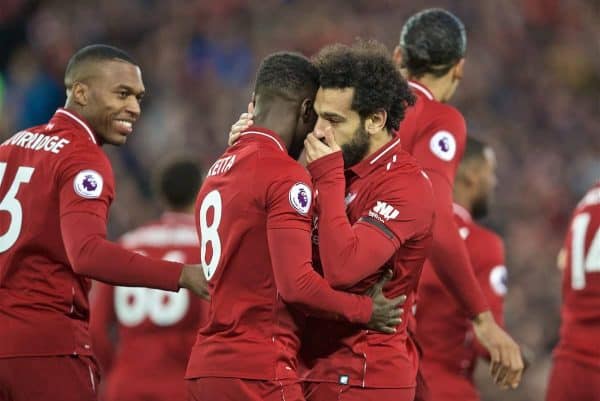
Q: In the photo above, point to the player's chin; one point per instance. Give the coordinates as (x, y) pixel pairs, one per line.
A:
(116, 138)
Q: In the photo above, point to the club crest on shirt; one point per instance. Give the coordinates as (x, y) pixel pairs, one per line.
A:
(88, 184)
(300, 197)
(443, 145)
(499, 280)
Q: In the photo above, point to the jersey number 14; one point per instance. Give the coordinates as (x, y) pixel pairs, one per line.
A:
(580, 262)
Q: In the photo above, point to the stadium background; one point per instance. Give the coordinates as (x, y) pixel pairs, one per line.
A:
(531, 89)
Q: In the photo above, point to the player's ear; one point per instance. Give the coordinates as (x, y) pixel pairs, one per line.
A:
(458, 70)
(80, 93)
(307, 112)
(398, 56)
(376, 122)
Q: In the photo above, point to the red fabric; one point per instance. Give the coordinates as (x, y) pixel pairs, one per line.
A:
(155, 329)
(84, 236)
(435, 134)
(388, 200)
(571, 380)
(53, 226)
(444, 330)
(230, 389)
(580, 314)
(258, 228)
(64, 378)
(338, 392)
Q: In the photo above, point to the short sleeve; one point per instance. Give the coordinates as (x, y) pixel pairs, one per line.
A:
(289, 197)
(402, 209)
(440, 148)
(85, 182)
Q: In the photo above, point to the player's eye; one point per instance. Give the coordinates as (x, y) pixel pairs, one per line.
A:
(123, 94)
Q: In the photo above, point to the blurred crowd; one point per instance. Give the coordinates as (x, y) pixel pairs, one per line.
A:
(531, 89)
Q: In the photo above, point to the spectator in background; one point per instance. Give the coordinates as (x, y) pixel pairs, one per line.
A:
(155, 329)
(450, 349)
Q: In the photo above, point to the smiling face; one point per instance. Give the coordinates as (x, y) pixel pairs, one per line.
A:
(110, 99)
(334, 109)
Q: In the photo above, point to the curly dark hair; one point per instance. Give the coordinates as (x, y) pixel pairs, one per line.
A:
(432, 41)
(367, 67)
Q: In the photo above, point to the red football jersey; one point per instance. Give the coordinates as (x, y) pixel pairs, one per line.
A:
(253, 196)
(444, 330)
(155, 329)
(435, 134)
(56, 185)
(389, 203)
(580, 328)
(43, 304)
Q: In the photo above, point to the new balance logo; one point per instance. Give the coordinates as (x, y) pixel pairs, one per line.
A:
(384, 210)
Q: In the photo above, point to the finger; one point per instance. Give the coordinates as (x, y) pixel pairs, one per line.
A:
(495, 360)
(330, 138)
(398, 301)
(387, 330)
(516, 379)
(251, 108)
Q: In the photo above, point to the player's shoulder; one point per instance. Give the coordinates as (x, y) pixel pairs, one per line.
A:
(404, 171)
(590, 202)
(281, 166)
(485, 236)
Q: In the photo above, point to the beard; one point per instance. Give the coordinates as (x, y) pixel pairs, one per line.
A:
(355, 150)
(480, 207)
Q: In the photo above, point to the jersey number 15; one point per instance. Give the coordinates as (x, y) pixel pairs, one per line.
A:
(11, 204)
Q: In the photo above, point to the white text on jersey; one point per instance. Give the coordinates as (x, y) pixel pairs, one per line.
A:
(221, 166)
(28, 140)
(384, 210)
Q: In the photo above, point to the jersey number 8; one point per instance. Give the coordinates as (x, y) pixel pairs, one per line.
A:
(209, 233)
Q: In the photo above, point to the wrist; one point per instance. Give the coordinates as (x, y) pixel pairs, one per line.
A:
(326, 164)
(483, 318)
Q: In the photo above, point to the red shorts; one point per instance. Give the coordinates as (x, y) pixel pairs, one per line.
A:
(231, 389)
(64, 378)
(573, 381)
(340, 392)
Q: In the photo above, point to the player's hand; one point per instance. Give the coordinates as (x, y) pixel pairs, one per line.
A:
(506, 361)
(387, 313)
(192, 278)
(245, 121)
(320, 143)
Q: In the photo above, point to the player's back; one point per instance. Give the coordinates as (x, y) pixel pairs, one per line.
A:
(43, 303)
(580, 326)
(433, 132)
(250, 333)
(156, 329)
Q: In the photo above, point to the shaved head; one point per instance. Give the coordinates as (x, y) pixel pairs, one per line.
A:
(83, 64)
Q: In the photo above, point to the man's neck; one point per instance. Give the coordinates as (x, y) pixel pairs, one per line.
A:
(463, 200)
(437, 86)
(378, 141)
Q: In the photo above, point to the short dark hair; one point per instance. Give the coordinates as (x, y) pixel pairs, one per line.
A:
(96, 52)
(367, 67)
(474, 149)
(432, 41)
(178, 181)
(286, 74)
